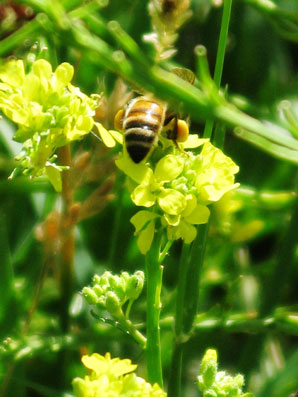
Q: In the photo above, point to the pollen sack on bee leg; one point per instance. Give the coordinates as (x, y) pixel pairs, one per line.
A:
(182, 131)
(118, 120)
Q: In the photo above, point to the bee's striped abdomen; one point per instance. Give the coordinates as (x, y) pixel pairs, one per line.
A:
(142, 122)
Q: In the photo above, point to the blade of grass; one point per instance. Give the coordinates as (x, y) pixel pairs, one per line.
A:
(220, 58)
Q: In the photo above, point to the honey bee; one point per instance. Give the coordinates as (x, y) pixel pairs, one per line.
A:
(144, 118)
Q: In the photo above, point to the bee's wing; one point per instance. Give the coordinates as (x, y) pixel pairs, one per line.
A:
(184, 74)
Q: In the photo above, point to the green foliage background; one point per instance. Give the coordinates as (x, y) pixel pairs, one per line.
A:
(248, 295)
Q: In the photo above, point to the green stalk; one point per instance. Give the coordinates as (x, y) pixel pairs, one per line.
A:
(280, 152)
(27, 30)
(132, 330)
(190, 267)
(154, 283)
(174, 389)
(220, 57)
(196, 259)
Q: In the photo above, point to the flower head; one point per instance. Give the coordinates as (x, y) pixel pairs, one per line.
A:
(111, 291)
(113, 378)
(213, 383)
(178, 190)
(49, 111)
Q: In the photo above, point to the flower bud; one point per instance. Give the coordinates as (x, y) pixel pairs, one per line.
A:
(209, 368)
(98, 290)
(90, 295)
(135, 285)
(112, 303)
(96, 279)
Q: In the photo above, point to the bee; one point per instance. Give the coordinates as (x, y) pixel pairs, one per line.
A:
(144, 118)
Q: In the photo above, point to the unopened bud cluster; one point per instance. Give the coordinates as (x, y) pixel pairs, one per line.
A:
(111, 292)
(213, 383)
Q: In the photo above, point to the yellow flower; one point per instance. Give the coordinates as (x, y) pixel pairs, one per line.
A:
(105, 365)
(49, 111)
(113, 378)
(178, 190)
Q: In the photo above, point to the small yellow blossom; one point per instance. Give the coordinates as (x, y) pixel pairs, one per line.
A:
(178, 190)
(49, 111)
(113, 378)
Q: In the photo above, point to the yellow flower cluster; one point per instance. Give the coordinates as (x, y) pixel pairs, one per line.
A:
(49, 111)
(113, 378)
(178, 190)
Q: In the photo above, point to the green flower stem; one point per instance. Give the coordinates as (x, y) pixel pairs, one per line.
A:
(174, 388)
(272, 9)
(267, 198)
(86, 9)
(27, 30)
(264, 144)
(181, 291)
(186, 303)
(164, 84)
(197, 254)
(165, 251)
(220, 58)
(234, 117)
(154, 283)
(127, 325)
(219, 135)
(154, 79)
(222, 43)
(283, 321)
(128, 44)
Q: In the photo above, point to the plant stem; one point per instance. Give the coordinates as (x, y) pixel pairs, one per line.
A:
(154, 283)
(174, 388)
(196, 259)
(222, 43)
(187, 303)
(127, 325)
